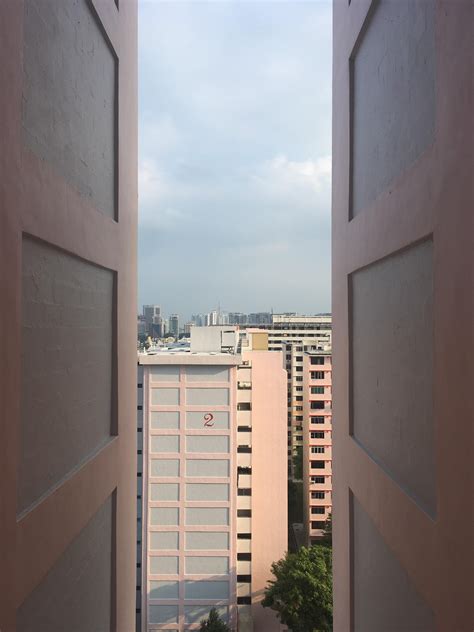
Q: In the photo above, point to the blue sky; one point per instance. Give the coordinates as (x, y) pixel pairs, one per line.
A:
(235, 155)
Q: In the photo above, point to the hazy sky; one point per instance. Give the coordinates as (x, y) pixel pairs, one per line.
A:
(235, 155)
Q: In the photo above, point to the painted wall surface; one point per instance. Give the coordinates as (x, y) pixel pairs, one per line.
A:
(269, 477)
(68, 198)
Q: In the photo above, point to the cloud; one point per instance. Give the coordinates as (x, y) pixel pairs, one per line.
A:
(235, 166)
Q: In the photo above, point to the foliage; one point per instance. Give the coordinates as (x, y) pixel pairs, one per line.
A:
(295, 502)
(214, 623)
(327, 536)
(298, 463)
(301, 592)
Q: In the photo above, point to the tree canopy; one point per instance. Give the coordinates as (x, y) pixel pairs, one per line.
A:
(301, 592)
(213, 623)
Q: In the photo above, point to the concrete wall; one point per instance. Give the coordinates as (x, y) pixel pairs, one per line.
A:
(68, 123)
(402, 315)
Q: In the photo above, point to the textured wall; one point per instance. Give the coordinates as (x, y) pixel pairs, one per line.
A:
(392, 361)
(67, 366)
(76, 593)
(393, 96)
(384, 597)
(69, 110)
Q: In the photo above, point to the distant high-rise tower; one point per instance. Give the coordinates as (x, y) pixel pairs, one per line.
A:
(174, 325)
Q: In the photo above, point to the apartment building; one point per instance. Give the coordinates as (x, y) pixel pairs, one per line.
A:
(317, 442)
(211, 483)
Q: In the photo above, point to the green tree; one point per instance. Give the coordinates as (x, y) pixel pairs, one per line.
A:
(298, 463)
(301, 592)
(327, 536)
(214, 623)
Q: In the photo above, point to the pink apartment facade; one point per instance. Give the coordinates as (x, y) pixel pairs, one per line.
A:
(317, 443)
(213, 495)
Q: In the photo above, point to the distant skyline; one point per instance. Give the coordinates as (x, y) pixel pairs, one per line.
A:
(235, 156)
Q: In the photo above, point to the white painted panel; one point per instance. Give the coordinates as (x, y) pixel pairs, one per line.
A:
(165, 373)
(165, 396)
(164, 467)
(204, 589)
(244, 525)
(163, 564)
(207, 396)
(164, 443)
(207, 467)
(164, 590)
(166, 420)
(206, 565)
(207, 515)
(163, 614)
(207, 491)
(163, 540)
(244, 567)
(207, 374)
(207, 443)
(207, 541)
(207, 419)
(164, 515)
(164, 491)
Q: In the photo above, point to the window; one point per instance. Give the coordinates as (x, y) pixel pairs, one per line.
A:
(244, 601)
(244, 513)
(299, 358)
(298, 407)
(299, 398)
(317, 435)
(139, 407)
(317, 375)
(299, 388)
(320, 495)
(317, 360)
(244, 406)
(244, 449)
(318, 524)
(139, 385)
(318, 465)
(317, 480)
(317, 420)
(317, 405)
(317, 390)
(299, 348)
(317, 449)
(299, 428)
(244, 536)
(299, 378)
(244, 429)
(244, 578)
(299, 438)
(244, 491)
(318, 510)
(244, 386)
(288, 356)
(244, 557)
(244, 470)
(298, 368)
(299, 418)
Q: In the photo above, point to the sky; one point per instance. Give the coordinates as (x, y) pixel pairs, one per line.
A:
(235, 155)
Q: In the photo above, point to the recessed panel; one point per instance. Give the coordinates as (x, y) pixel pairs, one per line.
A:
(205, 419)
(164, 590)
(393, 96)
(164, 491)
(76, 601)
(164, 467)
(207, 374)
(207, 515)
(67, 369)
(207, 491)
(164, 443)
(206, 565)
(164, 516)
(392, 368)
(163, 564)
(163, 540)
(163, 614)
(207, 396)
(384, 597)
(207, 540)
(195, 614)
(207, 467)
(164, 373)
(165, 396)
(207, 443)
(203, 589)
(70, 77)
(164, 420)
